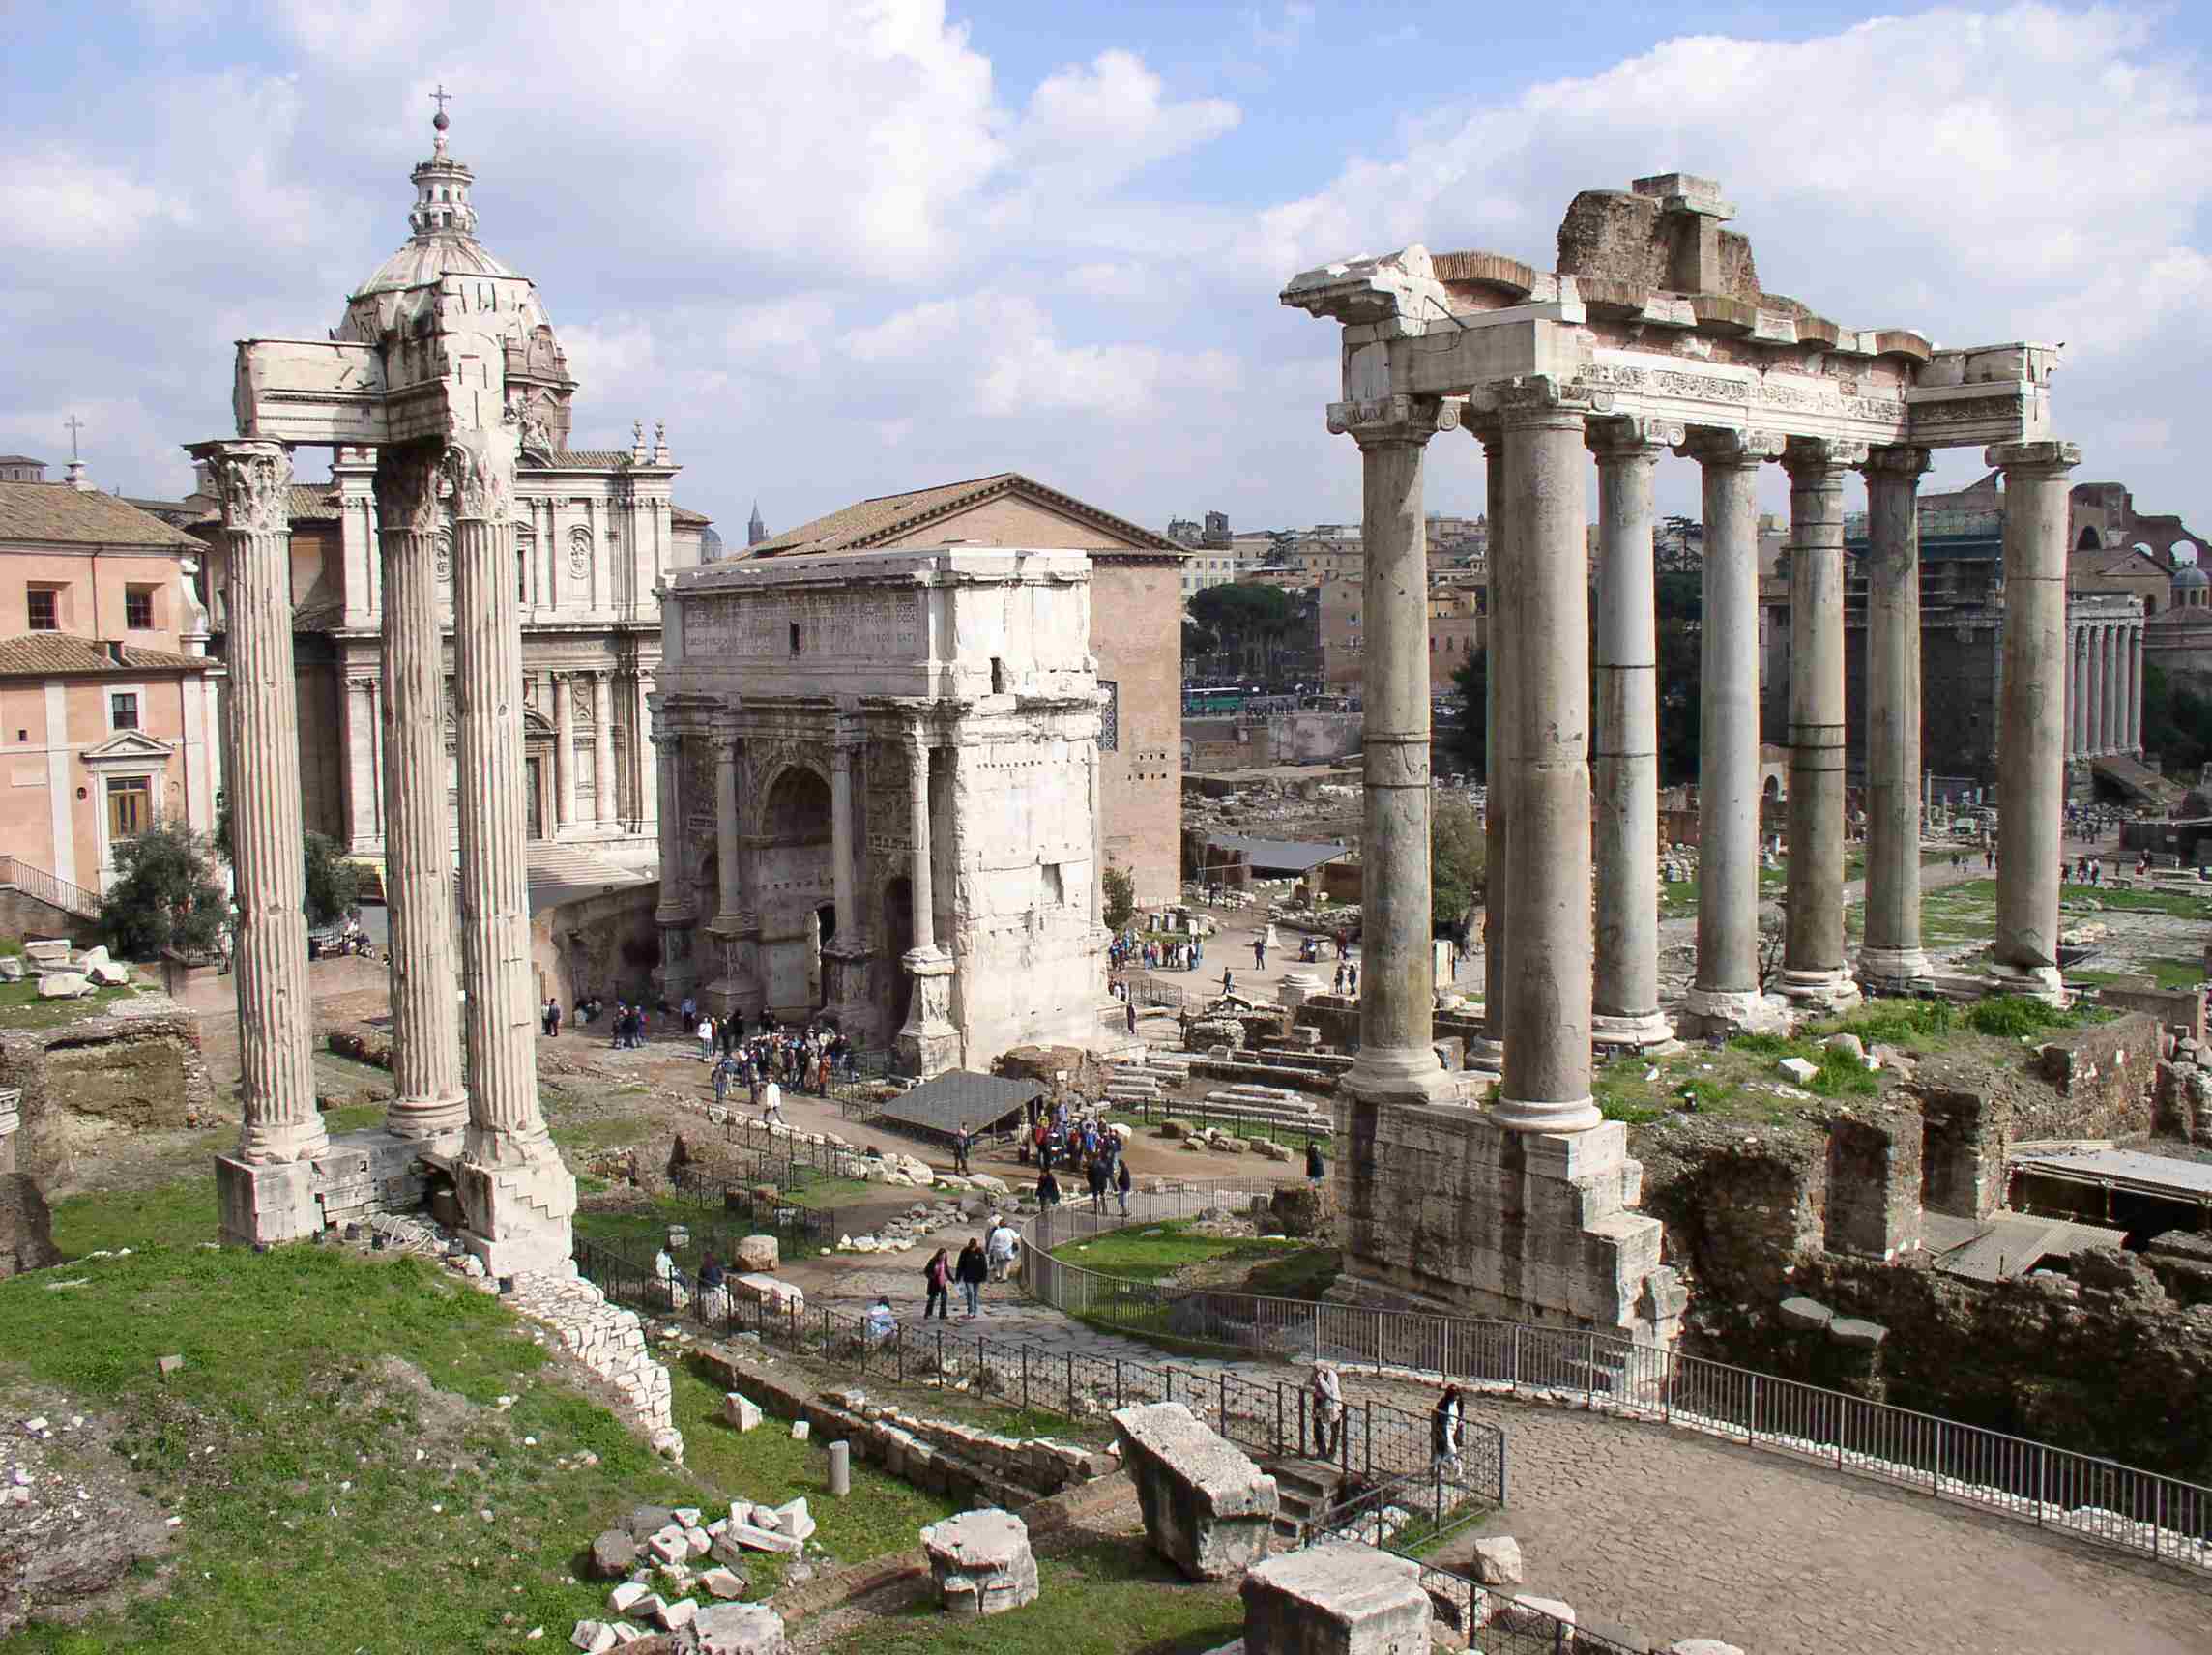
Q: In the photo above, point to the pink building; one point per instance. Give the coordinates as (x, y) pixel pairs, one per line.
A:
(107, 696)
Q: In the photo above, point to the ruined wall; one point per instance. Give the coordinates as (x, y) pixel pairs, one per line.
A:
(2103, 1075)
(102, 1075)
(1136, 632)
(26, 918)
(602, 945)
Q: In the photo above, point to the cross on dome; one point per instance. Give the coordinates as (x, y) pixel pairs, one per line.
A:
(441, 119)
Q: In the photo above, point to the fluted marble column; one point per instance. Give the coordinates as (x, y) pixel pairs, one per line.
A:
(1488, 1053)
(1814, 967)
(1624, 757)
(518, 1195)
(728, 880)
(1397, 1060)
(1891, 958)
(2031, 764)
(1725, 993)
(603, 805)
(563, 750)
(2135, 688)
(2076, 692)
(427, 1098)
(2116, 694)
(1547, 1081)
(926, 1041)
(276, 1011)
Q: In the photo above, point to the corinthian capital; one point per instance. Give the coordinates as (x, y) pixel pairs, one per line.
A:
(1395, 418)
(480, 467)
(253, 481)
(1808, 458)
(1632, 437)
(407, 480)
(1903, 463)
(1717, 446)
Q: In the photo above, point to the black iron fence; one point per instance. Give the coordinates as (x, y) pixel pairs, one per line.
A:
(1239, 1120)
(2095, 1499)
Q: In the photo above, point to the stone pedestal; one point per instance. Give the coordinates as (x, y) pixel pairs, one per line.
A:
(1336, 1599)
(1208, 1509)
(929, 1044)
(981, 1562)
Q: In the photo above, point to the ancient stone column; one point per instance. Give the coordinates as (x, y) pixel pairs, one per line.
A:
(2031, 762)
(563, 750)
(1546, 1082)
(1890, 958)
(1726, 994)
(2076, 692)
(1488, 1053)
(2135, 688)
(729, 884)
(674, 912)
(1814, 967)
(517, 1194)
(2114, 692)
(275, 1012)
(926, 1043)
(427, 1098)
(1624, 757)
(1397, 1060)
(603, 805)
(841, 840)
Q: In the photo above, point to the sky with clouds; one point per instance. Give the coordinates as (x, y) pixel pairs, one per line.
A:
(847, 249)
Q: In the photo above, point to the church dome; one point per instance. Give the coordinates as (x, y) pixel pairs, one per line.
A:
(2191, 576)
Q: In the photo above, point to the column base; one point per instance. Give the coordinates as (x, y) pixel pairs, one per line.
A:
(1393, 1074)
(1486, 1056)
(1728, 1011)
(262, 1204)
(428, 1117)
(1894, 970)
(1651, 1031)
(273, 1146)
(518, 1214)
(1544, 1115)
(1833, 990)
(2038, 982)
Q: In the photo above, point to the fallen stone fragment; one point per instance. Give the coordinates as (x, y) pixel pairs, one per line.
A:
(724, 1583)
(740, 1629)
(614, 1554)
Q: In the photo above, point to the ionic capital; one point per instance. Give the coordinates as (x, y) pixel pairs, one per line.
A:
(1901, 464)
(1620, 438)
(1821, 459)
(2050, 459)
(480, 467)
(253, 481)
(1395, 418)
(1538, 402)
(1716, 446)
(729, 750)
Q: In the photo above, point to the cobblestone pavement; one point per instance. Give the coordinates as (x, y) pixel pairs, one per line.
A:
(1655, 1534)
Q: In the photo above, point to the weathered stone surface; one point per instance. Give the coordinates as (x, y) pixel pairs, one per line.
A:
(1498, 1562)
(724, 1583)
(740, 1629)
(758, 1253)
(593, 1637)
(64, 985)
(1341, 1598)
(1805, 1314)
(1703, 1646)
(1207, 1508)
(1531, 1614)
(614, 1553)
(26, 1225)
(981, 1562)
(740, 1412)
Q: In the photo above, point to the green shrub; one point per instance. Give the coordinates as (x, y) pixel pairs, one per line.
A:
(2013, 1015)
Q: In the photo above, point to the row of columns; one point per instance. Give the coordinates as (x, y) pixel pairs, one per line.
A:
(496, 1114)
(605, 814)
(1557, 979)
(2105, 695)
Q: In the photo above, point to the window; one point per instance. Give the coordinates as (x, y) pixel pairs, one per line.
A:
(45, 609)
(123, 711)
(129, 807)
(795, 637)
(1109, 715)
(139, 608)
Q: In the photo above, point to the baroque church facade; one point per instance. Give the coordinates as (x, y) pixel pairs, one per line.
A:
(599, 531)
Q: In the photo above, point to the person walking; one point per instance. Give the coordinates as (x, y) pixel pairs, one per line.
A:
(721, 1077)
(971, 1272)
(1316, 1170)
(1327, 1411)
(1121, 1183)
(1048, 1189)
(1096, 1177)
(999, 1248)
(1260, 953)
(938, 1275)
(771, 1104)
(1129, 1013)
(705, 1033)
(1443, 1433)
(1228, 982)
(960, 1149)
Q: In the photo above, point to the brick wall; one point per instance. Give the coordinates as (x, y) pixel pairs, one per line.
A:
(1136, 632)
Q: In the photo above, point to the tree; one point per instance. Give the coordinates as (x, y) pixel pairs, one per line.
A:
(1681, 608)
(1457, 865)
(1197, 642)
(1249, 619)
(1121, 906)
(333, 884)
(165, 895)
(1469, 738)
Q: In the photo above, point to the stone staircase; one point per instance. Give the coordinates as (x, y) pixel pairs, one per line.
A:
(1268, 1106)
(2136, 782)
(1304, 1489)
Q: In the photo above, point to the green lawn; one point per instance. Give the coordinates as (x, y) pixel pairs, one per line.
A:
(288, 1445)
(177, 1214)
(1140, 1256)
(20, 1006)
(608, 1133)
(1102, 1597)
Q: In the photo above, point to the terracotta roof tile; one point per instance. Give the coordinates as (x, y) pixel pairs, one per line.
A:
(869, 523)
(585, 459)
(47, 654)
(52, 514)
(689, 518)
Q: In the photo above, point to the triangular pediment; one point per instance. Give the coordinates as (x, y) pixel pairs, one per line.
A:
(124, 745)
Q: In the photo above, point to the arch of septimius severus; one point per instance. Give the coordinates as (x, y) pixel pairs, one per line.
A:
(1651, 337)
(438, 380)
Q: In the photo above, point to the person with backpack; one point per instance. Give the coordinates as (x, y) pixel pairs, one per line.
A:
(937, 1274)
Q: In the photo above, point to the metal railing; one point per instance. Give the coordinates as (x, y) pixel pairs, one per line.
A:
(1374, 1444)
(42, 887)
(1240, 1121)
(2083, 1495)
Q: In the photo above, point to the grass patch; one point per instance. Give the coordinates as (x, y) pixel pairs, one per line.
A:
(1138, 1256)
(2010, 1016)
(823, 1194)
(287, 1444)
(354, 1117)
(1105, 1597)
(179, 1214)
(20, 1006)
(608, 1133)
(1307, 1273)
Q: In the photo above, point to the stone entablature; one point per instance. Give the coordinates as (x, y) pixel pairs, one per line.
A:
(879, 776)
